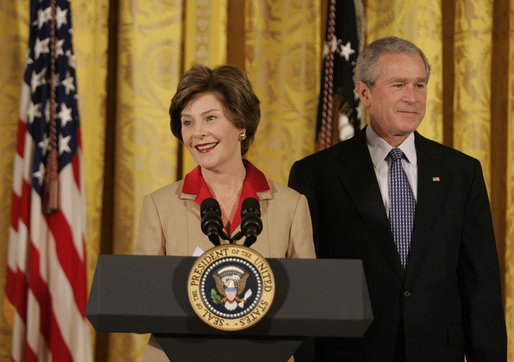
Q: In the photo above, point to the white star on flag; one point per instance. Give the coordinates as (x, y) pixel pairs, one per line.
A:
(63, 144)
(68, 83)
(41, 47)
(64, 115)
(44, 145)
(61, 17)
(33, 112)
(43, 16)
(71, 59)
(37, 79)
(346, 51)
(40, 173)
(59, 48)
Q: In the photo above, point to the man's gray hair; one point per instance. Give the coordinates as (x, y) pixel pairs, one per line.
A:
(366, 71)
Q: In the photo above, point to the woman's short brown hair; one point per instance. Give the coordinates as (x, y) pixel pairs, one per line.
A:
(234, 91)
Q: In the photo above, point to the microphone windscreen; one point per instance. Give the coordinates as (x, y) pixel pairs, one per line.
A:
(210, 205)
(250, 205)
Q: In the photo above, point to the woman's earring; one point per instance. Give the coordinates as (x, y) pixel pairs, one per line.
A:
(242, 136)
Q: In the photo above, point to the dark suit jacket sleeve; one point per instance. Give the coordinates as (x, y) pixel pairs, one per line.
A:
(479, 282)
(299, 181)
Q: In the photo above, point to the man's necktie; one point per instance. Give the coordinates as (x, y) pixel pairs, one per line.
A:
(402, 206)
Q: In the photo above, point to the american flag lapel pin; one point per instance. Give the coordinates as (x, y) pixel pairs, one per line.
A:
(436, 179)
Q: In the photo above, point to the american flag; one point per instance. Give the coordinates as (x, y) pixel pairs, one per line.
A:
(344, 37)
(46, 268)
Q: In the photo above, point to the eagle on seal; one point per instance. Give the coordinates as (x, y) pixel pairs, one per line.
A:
(230, 289)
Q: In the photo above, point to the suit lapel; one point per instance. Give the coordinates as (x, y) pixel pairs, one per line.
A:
(195, 237)
(359, 179)
(431, 186)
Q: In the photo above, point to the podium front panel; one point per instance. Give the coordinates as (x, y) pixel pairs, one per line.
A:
(148, 294)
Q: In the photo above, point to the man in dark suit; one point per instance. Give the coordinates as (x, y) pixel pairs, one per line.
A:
(432, 273)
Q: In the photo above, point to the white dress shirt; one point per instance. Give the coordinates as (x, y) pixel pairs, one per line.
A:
(379, 150)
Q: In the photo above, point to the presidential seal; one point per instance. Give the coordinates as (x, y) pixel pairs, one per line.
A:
(231, 287)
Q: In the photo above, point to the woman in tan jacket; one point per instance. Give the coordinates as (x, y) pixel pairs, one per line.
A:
(215, 114)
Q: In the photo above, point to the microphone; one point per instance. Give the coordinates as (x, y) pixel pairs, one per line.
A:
(211, 223)
(251, 223)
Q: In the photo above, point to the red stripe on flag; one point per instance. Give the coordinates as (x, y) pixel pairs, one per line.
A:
(22, 129)
(30, 355)
(16, 292)
(69, 258)
(75, 163)
(48, 324)
(10, 277)
(20, 206)
(40, 290)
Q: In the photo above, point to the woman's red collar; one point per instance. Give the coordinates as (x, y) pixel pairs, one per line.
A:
(254, 182)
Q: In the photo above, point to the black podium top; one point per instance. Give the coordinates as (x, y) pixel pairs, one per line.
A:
(148, 294)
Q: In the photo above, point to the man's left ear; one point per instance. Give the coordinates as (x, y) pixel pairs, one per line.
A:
(363, 92)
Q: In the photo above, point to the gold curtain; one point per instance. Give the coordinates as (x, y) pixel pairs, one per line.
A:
(14, 17)
(419, 22)
(507, 199)
(130, 55)
(205, 43)
(472, 99)
(89, 20)
(283, 61)
(148, 67)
